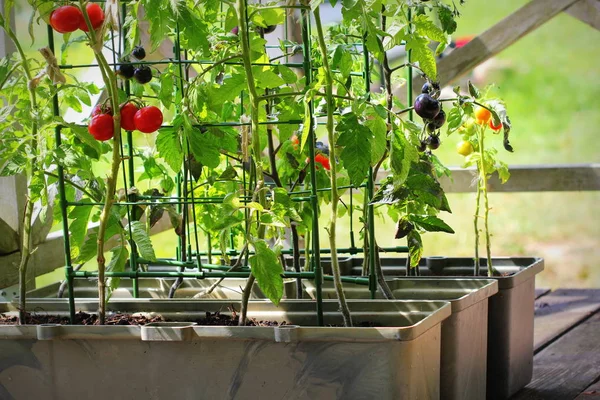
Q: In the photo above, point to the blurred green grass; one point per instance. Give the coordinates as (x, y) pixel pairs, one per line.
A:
(549, 84)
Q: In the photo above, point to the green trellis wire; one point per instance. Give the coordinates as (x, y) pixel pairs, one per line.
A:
(186, 257)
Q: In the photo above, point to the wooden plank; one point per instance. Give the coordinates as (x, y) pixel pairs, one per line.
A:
(50, 255)
(560, 310)
(588, 11)
(568, 366)
(591, 392)
(541, 292)
(526, 178)
(531, 178)
(498, 37)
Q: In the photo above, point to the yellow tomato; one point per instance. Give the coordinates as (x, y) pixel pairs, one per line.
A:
(464, 148)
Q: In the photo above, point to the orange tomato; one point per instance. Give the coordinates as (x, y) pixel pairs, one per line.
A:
(482, 115)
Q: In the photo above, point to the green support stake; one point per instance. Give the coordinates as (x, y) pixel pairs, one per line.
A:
(69, 273)
(316, 259)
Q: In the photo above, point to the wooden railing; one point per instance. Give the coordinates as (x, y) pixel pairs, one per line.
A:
(533, 178)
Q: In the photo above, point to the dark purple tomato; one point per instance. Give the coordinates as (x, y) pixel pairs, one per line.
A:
(426, 106)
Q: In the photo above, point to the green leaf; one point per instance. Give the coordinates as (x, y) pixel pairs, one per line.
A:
(402, 154)
(80, 216)
(205, 147)
(473, 91)
(389, 193)
(378, 128)
(425, 27)
(159, 16)
(342, 61)
(431, 223)
(142, 240)
(423, 54)
(415, 248)
(446, 18)
(229, 90)
(403, 228)
(168, 144)
(454, 119)
(266, 78)
(116, 264)
(356, 154)
(288, 75)
(267, 269)
(166, 89)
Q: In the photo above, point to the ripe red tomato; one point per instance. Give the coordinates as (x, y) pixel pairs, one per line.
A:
(128, 112)
(102, 127)
(96, 16)
(495, 127)
(66, 19)
(148, 119)
(295, 142)
(101, 109)
(321, 159)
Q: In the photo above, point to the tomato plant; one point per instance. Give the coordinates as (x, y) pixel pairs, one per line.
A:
(260, 144)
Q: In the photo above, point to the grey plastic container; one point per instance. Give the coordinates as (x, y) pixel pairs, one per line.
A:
(464, 333)
(184, 360)
(510, 311)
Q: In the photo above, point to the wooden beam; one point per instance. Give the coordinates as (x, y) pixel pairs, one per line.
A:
(499, 37)
(531, 178)
(588, 11)
(568, 366)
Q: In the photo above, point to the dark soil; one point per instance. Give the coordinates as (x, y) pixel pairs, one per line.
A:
(81, 318)
(211, 319)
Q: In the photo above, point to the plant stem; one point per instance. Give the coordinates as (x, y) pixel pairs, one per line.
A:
(476, 226)
(335, 267)
(25, 234)
(483, 183)
(111, 86)
(241, 10)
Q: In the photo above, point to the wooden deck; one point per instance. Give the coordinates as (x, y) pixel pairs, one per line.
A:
(567, 346)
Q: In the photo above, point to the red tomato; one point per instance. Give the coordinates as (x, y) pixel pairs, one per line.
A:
(295, 142)
(321, 159)
(128, 112)
(495, 127)
(66, 19)
(101, 109)
(96, 16)
(102, 127)
(148, 119)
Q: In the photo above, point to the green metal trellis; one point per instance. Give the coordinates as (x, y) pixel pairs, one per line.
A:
(191, 258)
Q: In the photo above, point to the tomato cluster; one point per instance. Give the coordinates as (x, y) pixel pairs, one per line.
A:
(141, 73)
(67, 19)
(146, 120)
(428, 107)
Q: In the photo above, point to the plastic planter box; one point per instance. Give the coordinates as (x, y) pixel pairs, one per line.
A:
(183, 360)
(464, 333)
(510, 311)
